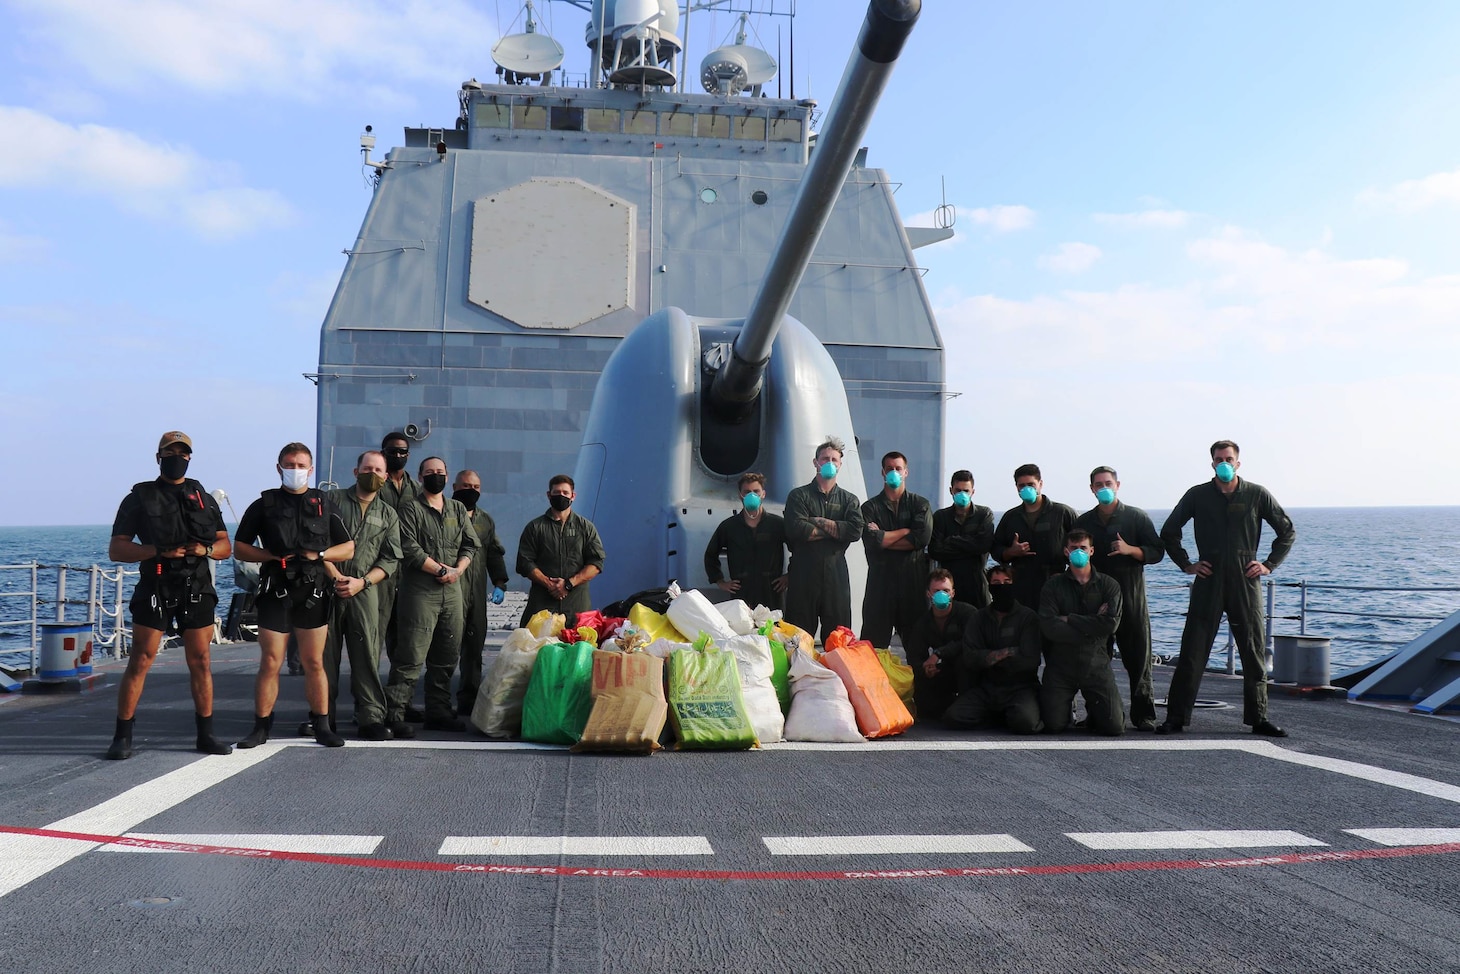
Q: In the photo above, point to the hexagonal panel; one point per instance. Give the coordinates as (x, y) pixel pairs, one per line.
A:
(552, 253)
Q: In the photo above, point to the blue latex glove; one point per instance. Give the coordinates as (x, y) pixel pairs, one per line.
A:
(497, 596)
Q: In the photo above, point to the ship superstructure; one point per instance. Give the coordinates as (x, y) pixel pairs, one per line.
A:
(504, 257)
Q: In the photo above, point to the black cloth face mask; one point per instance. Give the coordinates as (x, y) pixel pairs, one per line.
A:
(434, 483)
(468, 496)
(560, 502)
(174, 466)
(1001, 597)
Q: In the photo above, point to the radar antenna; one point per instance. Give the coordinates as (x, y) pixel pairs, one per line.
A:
(946, 214)
(732, 68)
(528, 56)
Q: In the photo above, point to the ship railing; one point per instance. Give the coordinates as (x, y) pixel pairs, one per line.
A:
(1305, 612)
(30, 585)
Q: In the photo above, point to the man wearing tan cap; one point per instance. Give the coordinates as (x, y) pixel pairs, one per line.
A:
(172, 526)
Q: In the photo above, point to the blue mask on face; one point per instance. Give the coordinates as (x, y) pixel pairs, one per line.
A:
(1225, 472)
(962, 498)
(893, 479)
(1079, 558)
(1105, 495)
(828, 470)
(751, 502)
(942, 599)
(1028, 494)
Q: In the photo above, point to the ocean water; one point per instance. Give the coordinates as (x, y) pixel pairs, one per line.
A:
(1387, 548)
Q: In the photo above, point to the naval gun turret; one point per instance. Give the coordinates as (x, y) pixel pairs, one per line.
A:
(687, 404)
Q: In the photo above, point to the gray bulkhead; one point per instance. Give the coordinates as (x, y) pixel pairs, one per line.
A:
(489, 284)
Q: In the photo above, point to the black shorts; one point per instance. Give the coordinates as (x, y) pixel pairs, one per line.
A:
(281, 615)
(151, 609)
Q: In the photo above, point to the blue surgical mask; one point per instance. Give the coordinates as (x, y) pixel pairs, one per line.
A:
(962, 498)
(1105, 495)
(828, 470)
(1079, 558)
(942, 599)
(1225, 472)
(1028, 494)
(893, 479)
(751, 502)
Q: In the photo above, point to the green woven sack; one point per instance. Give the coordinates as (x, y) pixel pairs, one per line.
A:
(560, 694)
(781, 675)
(705, 705)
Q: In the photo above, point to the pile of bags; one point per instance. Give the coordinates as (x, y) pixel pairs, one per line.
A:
(746, 678)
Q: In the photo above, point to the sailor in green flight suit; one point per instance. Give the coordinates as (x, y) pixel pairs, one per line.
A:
(1125, 543)
(489, 566)
(1079, 610)
(1030, 538)
(822, 521)
(437, 546)
(374, 525)
(1228, 512)
(560, 553)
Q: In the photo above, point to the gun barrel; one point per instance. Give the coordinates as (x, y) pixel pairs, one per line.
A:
(885, 30)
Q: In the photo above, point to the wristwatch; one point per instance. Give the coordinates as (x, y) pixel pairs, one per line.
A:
(568, 585)
(441, 572)
(208, 551)
(366, 579)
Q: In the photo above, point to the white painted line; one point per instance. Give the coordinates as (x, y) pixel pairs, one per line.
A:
(329, 845)
(1398, 837)
(24, 858)
(1193, 839)
(576, 845)
(849, 845)
(1366, 772)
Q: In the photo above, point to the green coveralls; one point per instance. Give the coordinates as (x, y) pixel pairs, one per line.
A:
(489, 566)
(356, 620)
(1077, 652)
(1045, 532)
(1134, 635)
(1228, 529)
(428, 613)
(962, 547)
(897, 581)
(559, 549)
(932, 695)
(755, 556)
(396, 497)
(1004, 692)
(819, 593)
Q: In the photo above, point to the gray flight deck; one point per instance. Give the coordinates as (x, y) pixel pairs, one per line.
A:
(1319, 899)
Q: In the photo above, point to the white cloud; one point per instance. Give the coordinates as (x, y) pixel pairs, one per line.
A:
(162, 181)
(19, 247)
(279, 47)
(1002, 218)
(1413, 195)
(1156, 219)
(1071, 258)
(1245, 298)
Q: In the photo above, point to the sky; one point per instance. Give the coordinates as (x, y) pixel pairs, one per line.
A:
(1176, 222)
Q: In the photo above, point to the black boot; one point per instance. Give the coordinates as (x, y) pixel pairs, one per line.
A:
(121, 748)
(324, 733)
(207, 743)
(260, 732)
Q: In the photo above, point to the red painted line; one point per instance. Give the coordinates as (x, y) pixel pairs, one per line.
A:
(961, 872)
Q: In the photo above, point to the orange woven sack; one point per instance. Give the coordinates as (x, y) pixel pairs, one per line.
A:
(880, 713)
(840, 638)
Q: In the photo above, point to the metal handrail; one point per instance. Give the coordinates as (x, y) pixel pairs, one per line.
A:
(103, 603)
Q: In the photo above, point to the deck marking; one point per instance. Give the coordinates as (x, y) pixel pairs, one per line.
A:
(1399, 837)
(576, 845)
(1366, 772)
(91, 841)
(851, 845)
(1195, 839)
(28, 856)
(338, 845)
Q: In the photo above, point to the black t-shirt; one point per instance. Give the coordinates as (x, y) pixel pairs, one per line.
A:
(251, 528)
(131, 520)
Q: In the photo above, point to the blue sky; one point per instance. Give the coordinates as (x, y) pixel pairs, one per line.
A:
(1176, 222)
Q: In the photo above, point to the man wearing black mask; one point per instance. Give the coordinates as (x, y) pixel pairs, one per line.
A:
(398, 490)
(490, 565)
(375, 527)
(438, 545)
(559, 552)
(998, 663)
(177, 527)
